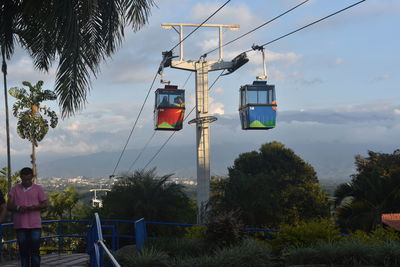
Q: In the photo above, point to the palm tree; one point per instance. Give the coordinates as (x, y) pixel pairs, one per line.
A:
(373, 190)
(77, 33)
(31, 123)
(144, 194)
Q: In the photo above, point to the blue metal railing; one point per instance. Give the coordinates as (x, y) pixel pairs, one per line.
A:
(60, 232)
(96, 246)
(95, 238)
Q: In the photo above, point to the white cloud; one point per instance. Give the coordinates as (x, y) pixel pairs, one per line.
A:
(219, 91)
(383, 77)
(21, 69)
(287, 58)
(339, 61)
(134, 72)
(216, 107)
(209, 44)
(299, 77)
(397, 111)
(73, 126)
(230, 14)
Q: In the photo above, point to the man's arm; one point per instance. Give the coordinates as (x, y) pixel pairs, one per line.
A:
(11, 203)
(41, 206)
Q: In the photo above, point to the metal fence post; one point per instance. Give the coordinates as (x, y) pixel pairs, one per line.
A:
(140, 233)
(117, 236)
(60, 239)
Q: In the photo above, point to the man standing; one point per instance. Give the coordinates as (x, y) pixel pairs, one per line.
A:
(26, 200)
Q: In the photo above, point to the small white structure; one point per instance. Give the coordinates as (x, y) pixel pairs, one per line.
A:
(96, 202)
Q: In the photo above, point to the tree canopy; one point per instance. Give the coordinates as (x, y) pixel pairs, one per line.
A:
(270, 187)
(144, 194)
(3, 180)
(374, 189)
(62, 203)
(32, 124)
(78, 34)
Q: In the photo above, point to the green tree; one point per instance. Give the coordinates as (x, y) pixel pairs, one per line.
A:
(28, 110)
(270, 187)
(79, 34)
(374, 189)
(144, 194)
(62, 203)
(4, 182)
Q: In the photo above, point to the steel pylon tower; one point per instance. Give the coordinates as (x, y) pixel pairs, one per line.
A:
(202, 121)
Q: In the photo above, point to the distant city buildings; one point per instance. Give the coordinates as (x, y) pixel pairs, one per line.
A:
(95, 187)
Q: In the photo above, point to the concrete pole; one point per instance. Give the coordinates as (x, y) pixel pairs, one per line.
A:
(4, 70)
(203, 139)
(201, 68)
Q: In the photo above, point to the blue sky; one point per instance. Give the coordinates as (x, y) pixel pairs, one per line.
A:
(337, 81)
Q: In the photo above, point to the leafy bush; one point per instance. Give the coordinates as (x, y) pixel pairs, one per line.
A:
(148, 257)
(249, 253)
(179, 247)
(197, 232)
(379, 235)
(305, 234)
(224, 229)
(388, 254)
(349, 253)
(346, 252)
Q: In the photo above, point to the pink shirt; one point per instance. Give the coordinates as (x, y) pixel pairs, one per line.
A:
(31, 197)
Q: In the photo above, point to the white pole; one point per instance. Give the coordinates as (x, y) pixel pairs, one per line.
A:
(203, 139)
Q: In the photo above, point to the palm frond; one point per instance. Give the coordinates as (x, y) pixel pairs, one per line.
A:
(9, 12)
(343, 191)
(138, 12)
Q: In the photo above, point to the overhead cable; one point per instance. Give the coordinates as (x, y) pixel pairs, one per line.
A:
(258, 27)
(141, 152)
(151, 138)
(162, 64)
(308, 25)
(133, 127)
(201, 24)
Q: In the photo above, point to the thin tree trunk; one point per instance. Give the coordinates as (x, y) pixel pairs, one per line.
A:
(4, 70)
(34, 163)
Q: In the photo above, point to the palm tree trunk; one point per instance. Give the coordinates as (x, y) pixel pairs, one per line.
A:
(4, 70)
(34, 163)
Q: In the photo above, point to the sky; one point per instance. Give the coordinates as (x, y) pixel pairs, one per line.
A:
(337, 82)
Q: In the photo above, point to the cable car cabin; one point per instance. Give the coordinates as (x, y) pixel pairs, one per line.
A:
(169, 108)
(257, 106)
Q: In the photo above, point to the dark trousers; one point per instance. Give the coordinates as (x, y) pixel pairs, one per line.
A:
(29, 244)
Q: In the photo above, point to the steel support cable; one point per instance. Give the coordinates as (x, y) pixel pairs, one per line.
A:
(141, 152)
(187, 79)
(283, 36)
(215, 12)
(151, 138)
(310, 24)
(134, 125)
(126, 144)
(187, 116)
(262, 25)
